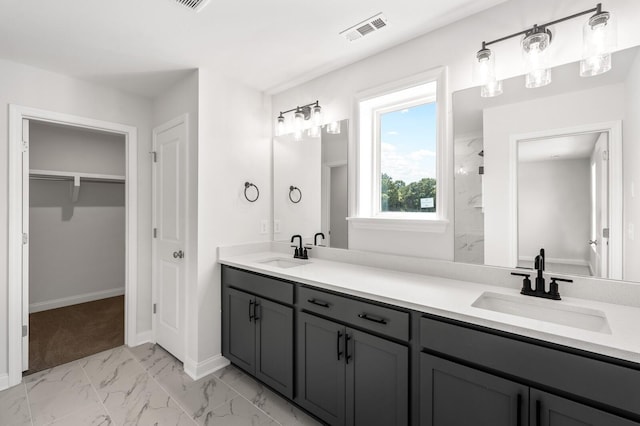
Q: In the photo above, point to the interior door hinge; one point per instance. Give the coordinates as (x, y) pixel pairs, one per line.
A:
(25, 238)
(25, 331)
(25, 146)
(154, 308)
(605, 232)
(154, 156)
(155, 232)
(605, 155)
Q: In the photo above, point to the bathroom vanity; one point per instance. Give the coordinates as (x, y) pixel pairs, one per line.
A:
(356, 345)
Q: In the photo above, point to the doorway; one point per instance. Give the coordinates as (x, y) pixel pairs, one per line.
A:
(19, 156)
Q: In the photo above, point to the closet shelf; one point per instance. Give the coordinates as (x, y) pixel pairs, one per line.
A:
(75, 177)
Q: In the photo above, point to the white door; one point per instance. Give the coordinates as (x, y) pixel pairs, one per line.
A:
(170, 229)
(25, 245)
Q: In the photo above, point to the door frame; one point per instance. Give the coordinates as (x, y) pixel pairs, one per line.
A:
(15, 285)
(614, 131)
(181, 119)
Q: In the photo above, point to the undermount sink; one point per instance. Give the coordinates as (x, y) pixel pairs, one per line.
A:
(544, 310)
(281, 262)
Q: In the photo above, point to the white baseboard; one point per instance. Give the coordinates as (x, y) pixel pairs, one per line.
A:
(74, 300)
(197, 370)
(144, 337)
(4, 381)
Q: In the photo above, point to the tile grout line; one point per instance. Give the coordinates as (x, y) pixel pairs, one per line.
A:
(160, 385)
(247, 399)
(95, 391)
(26, 393)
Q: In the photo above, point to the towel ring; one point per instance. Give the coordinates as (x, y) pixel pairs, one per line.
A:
(248, 185)
(291, 190)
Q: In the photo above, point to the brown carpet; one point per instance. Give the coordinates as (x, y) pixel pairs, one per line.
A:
(62, 335)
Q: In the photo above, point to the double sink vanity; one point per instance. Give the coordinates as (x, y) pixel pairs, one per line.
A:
(355, 344)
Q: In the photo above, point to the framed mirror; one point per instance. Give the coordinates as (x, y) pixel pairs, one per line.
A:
(553, 168)
(310, 186)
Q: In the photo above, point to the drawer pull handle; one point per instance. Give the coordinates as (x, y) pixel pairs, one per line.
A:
(338, 345)
(372, 319)
(251, 311)
(318, 303)
(256, 305)
(519, 410)
(538, 412)
(347, 357)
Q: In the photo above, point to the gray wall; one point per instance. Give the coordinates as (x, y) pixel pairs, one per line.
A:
(77, 250)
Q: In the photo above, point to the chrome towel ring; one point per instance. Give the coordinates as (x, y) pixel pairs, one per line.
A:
(248, 185)
(292, 190)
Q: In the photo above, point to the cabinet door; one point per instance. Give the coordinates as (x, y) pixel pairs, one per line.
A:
(551, 410)
(454, 395)
(377, 381)
(240, 329)
(274, 345)
(321, 368)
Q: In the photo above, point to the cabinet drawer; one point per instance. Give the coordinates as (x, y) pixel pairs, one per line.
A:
(593, 379)
(261, 285)
(380, 319)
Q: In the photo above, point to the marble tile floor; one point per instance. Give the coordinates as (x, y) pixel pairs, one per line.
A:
(143, 386)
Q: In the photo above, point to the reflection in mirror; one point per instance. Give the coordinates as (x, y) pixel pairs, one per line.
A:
(318, 168)
(551, 167)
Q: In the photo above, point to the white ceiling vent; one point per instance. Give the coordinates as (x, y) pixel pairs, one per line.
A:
(365, 27)
(195, 5)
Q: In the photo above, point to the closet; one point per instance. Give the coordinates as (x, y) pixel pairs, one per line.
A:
(77, 242)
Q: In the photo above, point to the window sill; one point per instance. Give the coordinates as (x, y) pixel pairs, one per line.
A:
(403, 225)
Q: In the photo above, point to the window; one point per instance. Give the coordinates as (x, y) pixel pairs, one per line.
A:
(402, 179)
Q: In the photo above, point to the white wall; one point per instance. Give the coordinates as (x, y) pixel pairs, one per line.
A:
(631, 170)
(234, 147)
(33, 87)
(297, 163)
(455, 47)
(597, 105)
(554, 209)
(76, 249)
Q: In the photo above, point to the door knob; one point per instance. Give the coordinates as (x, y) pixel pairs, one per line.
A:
(178, 254)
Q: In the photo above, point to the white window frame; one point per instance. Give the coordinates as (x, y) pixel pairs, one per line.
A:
(369, 105)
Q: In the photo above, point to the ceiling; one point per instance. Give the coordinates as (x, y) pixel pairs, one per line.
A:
(143, 46)
(569, 147)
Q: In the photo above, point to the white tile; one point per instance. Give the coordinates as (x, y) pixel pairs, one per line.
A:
(14, 408)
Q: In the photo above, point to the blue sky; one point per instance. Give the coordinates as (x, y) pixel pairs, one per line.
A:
(408, 143)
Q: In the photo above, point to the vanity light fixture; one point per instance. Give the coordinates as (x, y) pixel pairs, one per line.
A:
(306, 117)
(599, 41)
(333, 128)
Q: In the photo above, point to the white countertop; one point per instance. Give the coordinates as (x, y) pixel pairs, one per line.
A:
(453, 299)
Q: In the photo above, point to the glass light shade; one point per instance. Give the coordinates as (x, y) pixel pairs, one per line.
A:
(314, 131)
(333, 128)
(298, 121)
(599, 39)
(281, 127)
(535, 48)
(491, 89)
(484, 73)
(316, 116)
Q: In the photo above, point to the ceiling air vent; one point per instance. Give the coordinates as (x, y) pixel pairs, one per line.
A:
(195, 5)
(365, 27)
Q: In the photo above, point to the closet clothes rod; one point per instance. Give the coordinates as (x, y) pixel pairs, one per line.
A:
(70, 179)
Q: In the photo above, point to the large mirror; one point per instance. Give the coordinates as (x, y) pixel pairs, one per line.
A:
(310, 187)
(556, 168)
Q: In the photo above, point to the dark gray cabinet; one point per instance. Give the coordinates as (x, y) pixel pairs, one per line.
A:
(454, 395)
(551, 410)
(259, 338)
(347, 376)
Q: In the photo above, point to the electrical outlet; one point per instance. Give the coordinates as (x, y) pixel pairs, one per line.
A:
(264, 227)
(276, 226)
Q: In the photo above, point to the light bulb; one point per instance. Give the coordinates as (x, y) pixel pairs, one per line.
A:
(298, 121)
(281, 127)
(484, 74)
(534, 48)
(316, 115)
